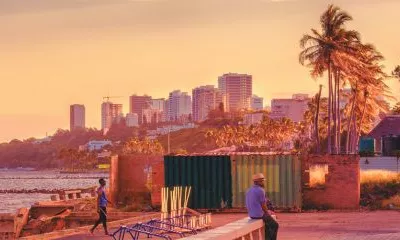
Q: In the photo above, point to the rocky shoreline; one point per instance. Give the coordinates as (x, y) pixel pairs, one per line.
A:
(44, 191)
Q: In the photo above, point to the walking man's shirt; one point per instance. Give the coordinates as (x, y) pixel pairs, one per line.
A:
(102, 202)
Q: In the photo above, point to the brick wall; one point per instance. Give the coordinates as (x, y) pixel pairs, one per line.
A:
(342, 183)
(129, 179)
(157, 183)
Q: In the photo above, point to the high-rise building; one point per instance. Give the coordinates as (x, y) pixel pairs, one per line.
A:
(179, 106)
(137, 104)
(257, 103)
(152, 116)
(110, 113)
(292, 108)
(205, 99)
(253, 118)
(160, 105)
(76, 116)
(132, 120)
(238, 89)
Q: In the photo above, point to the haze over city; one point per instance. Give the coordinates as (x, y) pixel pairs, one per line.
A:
(57, 52)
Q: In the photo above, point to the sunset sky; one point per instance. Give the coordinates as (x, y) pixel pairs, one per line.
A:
(54, 53)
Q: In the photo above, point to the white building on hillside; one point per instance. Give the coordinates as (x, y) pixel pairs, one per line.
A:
(97, 145)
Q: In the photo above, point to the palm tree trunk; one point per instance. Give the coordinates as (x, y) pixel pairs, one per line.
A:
(334, 111)
(349, 124)
(353, 137)
(317, 120)
(338, 114)
(358, 131)
(329, 109)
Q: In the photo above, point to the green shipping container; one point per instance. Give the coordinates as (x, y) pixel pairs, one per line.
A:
(282, 172)
(367, 145)
(209, 177)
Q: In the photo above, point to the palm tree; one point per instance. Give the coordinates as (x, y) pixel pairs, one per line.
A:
(146, 146)
(317, 118)
(396, 109)
(367, 95)
(396, 72)
(326, 51)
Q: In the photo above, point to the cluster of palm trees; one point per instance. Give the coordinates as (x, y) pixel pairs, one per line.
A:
(271, 134)
(146, 147)
(339, 54)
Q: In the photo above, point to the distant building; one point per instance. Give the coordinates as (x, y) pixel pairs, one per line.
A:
(238, 90)
(110, 113)
(179, 106)
(205, 99)
(139, 103)
(160, 104)
(257, 103)
(292, 108)
(97, 145)
(387, 135)
(42, 140)
(154, 133)
(152, 116)
(252, 118)
(132, 120)
(76, 116)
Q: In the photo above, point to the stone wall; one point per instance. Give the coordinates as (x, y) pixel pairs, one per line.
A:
(341, 189)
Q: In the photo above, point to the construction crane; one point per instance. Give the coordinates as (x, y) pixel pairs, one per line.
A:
(108, 97)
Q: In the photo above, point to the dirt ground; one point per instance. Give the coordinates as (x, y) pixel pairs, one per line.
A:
(375, 225)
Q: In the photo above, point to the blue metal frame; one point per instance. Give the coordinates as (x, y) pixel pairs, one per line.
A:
(151, 227)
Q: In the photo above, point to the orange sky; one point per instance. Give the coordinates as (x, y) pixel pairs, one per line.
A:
(54, 53)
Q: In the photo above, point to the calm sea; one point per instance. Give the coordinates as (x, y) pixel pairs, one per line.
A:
(29, 180)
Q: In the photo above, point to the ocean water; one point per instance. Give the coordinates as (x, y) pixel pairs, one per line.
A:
(43, 180)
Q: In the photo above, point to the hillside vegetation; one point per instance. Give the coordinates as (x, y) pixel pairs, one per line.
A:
(188, 140)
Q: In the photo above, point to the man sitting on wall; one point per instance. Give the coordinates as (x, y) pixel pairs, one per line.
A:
(259, 207)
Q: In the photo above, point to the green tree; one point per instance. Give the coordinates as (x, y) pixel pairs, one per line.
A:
(347, 61)
(146, 146)
(326, 51)
(396, 109)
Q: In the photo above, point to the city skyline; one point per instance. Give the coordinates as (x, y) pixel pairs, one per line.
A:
(55, 53)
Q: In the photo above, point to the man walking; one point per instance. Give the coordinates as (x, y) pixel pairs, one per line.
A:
(259, 207)
(101, 207)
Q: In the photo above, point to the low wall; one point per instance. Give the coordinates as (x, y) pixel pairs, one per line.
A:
(341, 189)
(240, 230)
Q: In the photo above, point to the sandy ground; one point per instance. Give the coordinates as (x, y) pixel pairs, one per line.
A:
(375, 225)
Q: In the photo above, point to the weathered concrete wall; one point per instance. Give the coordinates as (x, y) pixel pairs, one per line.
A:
(48, 210)
(7, 226)
(342, 183)
(244, 229)
(158, 183)
(114, 187)
(131, 177)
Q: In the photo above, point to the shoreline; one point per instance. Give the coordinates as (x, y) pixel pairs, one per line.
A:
(55, 170)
